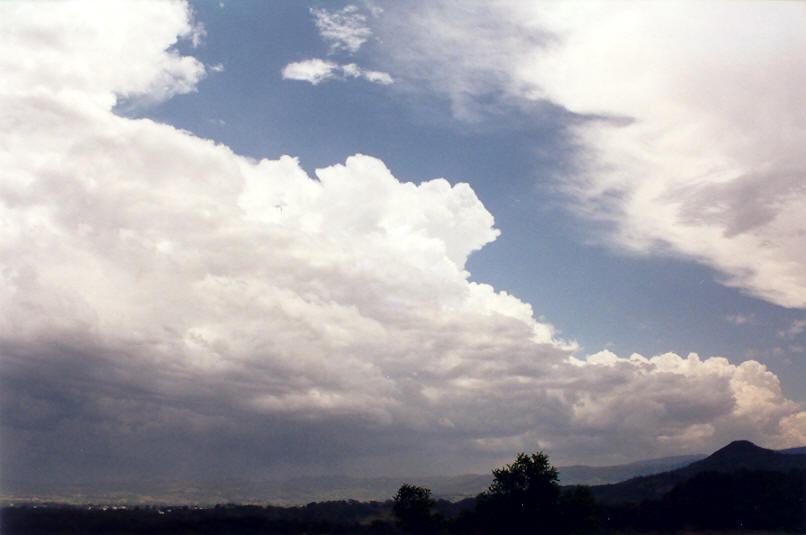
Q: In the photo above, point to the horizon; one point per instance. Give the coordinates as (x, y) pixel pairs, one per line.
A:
(232, 491)
(291, 239)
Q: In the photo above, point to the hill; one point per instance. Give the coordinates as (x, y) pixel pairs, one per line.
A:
(738, 455)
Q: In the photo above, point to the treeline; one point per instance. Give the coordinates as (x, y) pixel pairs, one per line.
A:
(524, 497)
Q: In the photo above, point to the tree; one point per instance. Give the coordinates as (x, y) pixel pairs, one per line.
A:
(412, 507)
(523, 497)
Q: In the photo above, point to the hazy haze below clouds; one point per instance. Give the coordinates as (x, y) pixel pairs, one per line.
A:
(172, 308)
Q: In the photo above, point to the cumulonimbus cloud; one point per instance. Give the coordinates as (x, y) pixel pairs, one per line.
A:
(166, 299)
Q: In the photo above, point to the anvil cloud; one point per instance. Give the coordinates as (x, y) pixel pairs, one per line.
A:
(691, 121)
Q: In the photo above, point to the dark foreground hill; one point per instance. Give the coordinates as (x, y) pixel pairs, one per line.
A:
(735, 457)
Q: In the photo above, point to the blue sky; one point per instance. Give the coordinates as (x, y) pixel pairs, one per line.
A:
(226, 242)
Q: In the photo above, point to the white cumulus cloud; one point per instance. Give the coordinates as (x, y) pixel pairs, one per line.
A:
(310, 70)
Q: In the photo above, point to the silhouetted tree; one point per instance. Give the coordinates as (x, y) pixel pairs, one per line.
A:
(412, 507)
(523, 497)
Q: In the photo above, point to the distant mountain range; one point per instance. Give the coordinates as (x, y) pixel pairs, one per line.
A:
(639, 480)
(739, 455)
(601, 475)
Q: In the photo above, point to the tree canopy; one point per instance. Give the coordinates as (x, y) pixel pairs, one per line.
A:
(523, 496)
(530, 478)
(412, 507)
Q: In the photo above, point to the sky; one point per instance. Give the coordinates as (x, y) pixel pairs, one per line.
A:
(264, 239)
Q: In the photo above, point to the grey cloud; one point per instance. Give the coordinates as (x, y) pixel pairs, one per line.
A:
(740, 205)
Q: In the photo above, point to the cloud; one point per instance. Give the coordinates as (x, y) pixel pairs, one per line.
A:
(739, 319)
(346, 30)
(87, 73)
(170, 308)
(730, 400)
(310, 70)
(794, 330)
(695, 145)
(318, 70)
(464, 53)
(377, 77)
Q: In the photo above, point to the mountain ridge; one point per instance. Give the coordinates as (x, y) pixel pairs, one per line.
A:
(738, 455)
